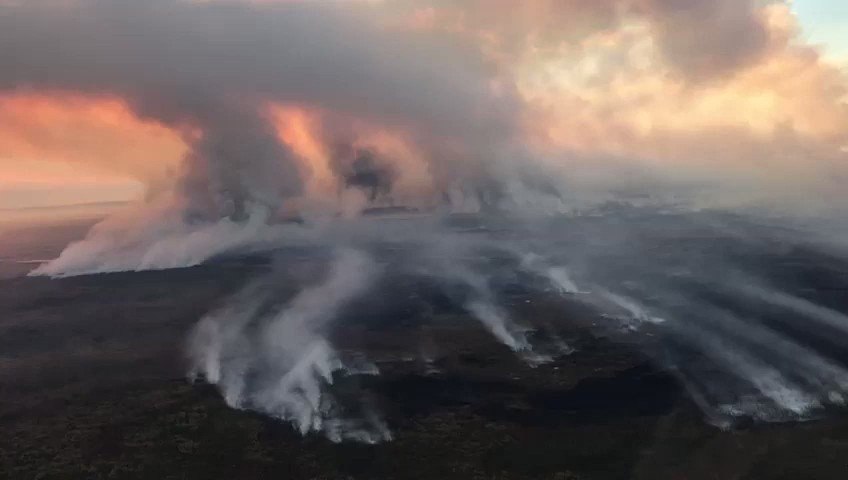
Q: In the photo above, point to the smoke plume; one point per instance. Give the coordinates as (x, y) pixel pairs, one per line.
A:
(279, 361)
(616, 157)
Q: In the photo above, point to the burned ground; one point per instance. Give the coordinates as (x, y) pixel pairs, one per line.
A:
(93, 385)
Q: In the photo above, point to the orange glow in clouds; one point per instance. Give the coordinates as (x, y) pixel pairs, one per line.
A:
(300, 129)
(297, 128)
(79, 143)
(591, 80)
(614, 94)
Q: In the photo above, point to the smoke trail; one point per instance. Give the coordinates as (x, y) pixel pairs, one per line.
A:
(817, 313)
(499, 324)
(635, 313)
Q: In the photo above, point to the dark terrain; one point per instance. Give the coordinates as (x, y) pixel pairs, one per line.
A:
(93, 385)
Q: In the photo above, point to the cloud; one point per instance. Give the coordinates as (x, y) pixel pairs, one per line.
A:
(704, 39)
(206, 70)
(475, 102)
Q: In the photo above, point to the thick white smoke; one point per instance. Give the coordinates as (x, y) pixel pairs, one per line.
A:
(159, 238)
(280, 362)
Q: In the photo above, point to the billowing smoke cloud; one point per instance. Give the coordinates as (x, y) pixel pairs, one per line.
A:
(208, 69)
(708, 39)
(488, 97)
(702, 39)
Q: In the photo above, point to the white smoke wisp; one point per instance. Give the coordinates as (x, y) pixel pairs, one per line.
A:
(634, 313)
(481, 301)
(483, 306)
(280, 363)
(499, 324)
(558, 276)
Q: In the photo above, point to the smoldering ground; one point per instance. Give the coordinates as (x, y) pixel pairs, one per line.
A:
(92, 366)
(716, 299)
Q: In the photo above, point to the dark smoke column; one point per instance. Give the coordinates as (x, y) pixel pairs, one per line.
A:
(237, 164)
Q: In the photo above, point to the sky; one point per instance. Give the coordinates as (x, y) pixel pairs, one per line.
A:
(255, 101)
(825, 22)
